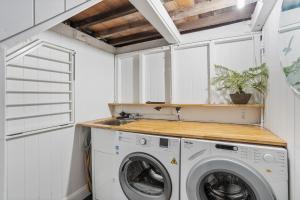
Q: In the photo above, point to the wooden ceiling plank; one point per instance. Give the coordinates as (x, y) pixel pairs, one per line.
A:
(142, 24)
(115, 30)
(222, 18)
(205, 7)
(103, 17)
(134, 38)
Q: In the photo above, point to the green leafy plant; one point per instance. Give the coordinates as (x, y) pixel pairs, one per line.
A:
(239, 82)
(292, 73)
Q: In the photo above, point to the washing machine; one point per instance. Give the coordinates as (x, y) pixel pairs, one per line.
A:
(147, 167)
(212, 170)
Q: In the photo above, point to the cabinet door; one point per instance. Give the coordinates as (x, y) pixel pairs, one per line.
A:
(155, 65)
(15, 16)
(72, 3)
(103, 172)
(45, 9)
(239, 55)
(191, 75)
(128, 79)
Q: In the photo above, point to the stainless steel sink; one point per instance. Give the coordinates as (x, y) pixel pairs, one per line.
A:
(116, 122)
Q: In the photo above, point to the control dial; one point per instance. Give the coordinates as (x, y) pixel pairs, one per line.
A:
(143, 141)
(268, 157)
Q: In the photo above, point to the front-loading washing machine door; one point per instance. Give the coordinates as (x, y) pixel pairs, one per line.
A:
(143, 177)
(226, 179)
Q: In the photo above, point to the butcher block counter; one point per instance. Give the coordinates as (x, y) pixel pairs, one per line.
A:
(250, 134)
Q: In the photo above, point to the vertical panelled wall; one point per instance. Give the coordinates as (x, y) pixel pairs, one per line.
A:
(183, 73)
(2, 124)
(282, 112)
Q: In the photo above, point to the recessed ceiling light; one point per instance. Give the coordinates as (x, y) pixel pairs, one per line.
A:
(241, 4)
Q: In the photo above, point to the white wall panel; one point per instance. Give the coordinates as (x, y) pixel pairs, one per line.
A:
(190, 75)
(45, 165)
(15, 170)
(31, 168)
(37, 165)
(282, 105)
(297, 146)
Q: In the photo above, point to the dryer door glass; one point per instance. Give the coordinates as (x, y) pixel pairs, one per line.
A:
(225, 186)
(144, 177)
(226, 179)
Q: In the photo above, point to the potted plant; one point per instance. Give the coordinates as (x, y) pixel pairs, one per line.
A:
(238, 83)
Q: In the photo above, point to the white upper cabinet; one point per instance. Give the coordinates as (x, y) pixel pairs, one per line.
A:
(45, 9)
(237, 54)
(15, 16)
(154, 68)
(72, 3)
(182, 74)
(190, 71)
(128, 79)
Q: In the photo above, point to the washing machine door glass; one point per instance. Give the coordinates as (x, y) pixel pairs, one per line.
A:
(144, 177)
(226, 179)
(225, 186)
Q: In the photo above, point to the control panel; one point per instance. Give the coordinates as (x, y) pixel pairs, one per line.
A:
(151, 141)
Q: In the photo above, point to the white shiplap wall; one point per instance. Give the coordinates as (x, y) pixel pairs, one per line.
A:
(51, 163)
(282, 115)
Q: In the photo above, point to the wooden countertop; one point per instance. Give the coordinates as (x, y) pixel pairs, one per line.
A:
(211, 131)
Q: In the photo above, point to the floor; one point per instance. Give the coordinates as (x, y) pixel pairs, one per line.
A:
(89, 198)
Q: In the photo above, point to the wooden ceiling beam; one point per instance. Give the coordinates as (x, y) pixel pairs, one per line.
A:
(205, 7)
(217, 19)
(185, 3)
(103, 17)
(138, 37)
(119, 29)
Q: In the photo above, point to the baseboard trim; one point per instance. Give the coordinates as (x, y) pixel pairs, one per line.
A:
(80, 194)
